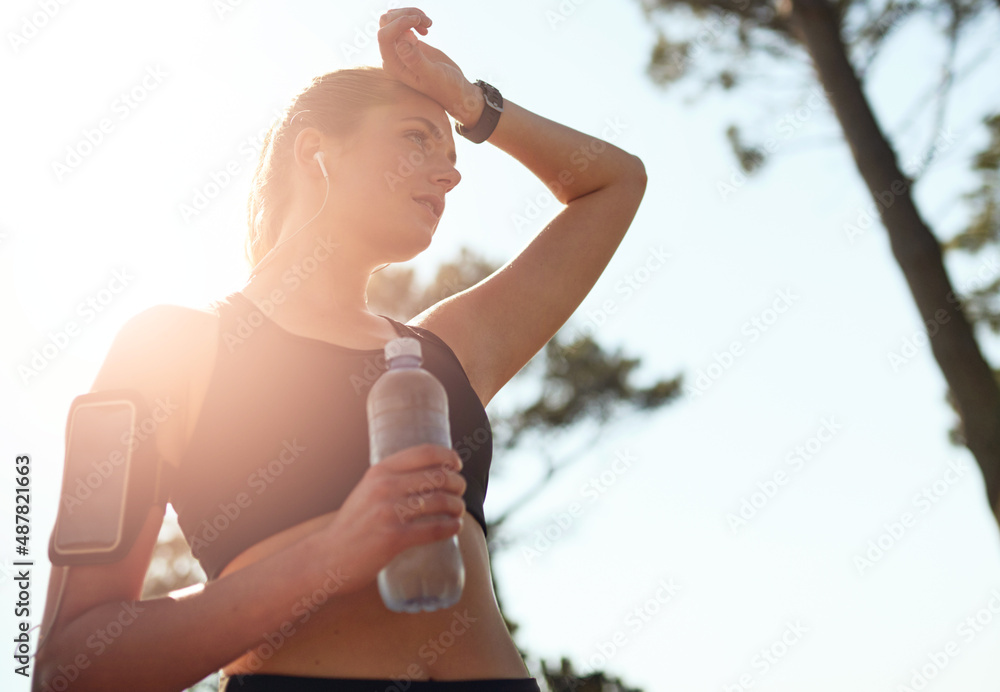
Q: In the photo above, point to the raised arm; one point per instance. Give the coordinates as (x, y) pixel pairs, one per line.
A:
(496, 326)
(527, 300)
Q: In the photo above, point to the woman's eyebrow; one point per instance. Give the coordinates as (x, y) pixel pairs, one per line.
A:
(436, 131)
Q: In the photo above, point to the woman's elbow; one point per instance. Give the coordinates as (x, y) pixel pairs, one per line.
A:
(639, 173)
(632, 176)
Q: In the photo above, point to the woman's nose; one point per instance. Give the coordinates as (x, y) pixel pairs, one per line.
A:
(449, 177)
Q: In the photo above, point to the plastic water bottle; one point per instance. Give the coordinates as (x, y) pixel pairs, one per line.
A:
(408, 406)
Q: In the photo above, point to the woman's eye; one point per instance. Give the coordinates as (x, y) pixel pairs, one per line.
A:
(417, 136)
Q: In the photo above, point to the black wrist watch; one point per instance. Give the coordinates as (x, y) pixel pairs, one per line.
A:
(490, 117)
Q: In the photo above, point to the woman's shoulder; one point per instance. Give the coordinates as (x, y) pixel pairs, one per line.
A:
(166, 329)
(158, 346)
(165, 353)
(166, 315)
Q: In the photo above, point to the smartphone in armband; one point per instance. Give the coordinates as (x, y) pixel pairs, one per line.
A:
(112, 474)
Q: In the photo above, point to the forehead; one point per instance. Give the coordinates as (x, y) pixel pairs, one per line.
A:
(417, 109)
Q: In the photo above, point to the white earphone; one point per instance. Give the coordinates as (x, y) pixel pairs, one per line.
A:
(319, 159)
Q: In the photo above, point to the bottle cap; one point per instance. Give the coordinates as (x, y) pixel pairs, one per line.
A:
(402, 347)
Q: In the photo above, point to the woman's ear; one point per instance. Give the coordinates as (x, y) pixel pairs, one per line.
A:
(309, 142)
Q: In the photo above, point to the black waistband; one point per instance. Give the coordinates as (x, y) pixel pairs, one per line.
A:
(297, 683)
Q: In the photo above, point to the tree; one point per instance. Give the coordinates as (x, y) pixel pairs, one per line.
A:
(579, 383)
(840, 40)
(982, 300)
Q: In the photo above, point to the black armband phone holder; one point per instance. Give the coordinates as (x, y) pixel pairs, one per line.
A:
(112, 475)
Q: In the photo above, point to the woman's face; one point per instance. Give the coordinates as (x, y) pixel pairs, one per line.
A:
(388, 182)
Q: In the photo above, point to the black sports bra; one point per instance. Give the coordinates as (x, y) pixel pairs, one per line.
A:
(283, 434)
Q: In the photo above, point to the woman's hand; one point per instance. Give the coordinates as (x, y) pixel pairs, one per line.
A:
(425, 68)
(409, 498)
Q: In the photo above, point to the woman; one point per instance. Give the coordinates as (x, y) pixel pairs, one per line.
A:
(270, 387)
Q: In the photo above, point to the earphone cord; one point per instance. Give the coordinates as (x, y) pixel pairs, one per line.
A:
(266, 258)
(270, 255)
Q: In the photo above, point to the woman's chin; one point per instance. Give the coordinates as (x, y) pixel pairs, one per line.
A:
(422, 242)
(412, 251)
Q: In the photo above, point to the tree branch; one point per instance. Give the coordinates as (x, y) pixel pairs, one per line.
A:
(552, 470)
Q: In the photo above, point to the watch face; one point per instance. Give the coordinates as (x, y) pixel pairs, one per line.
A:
(492, 95)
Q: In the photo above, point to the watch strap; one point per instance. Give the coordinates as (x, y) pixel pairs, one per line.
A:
(481, 131)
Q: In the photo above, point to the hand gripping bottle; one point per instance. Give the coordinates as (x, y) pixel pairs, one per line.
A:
(408, 406)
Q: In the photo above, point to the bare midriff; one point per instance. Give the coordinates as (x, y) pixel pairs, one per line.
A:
(354, 635)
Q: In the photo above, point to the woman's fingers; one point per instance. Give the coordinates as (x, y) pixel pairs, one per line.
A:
(419, 507)
(414, 489)
(412, 497)
(436, 482)
(394, 27)
(414, 479)
(415, 17)
(397, 45)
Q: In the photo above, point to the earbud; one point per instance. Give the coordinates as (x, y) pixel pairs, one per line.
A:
(319, 159)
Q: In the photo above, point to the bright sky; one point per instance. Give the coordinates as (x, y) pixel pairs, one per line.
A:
(807, 407)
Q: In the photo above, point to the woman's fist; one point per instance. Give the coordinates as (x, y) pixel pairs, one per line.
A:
(409, 498)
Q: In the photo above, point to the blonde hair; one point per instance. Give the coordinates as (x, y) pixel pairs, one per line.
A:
(334, 103)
